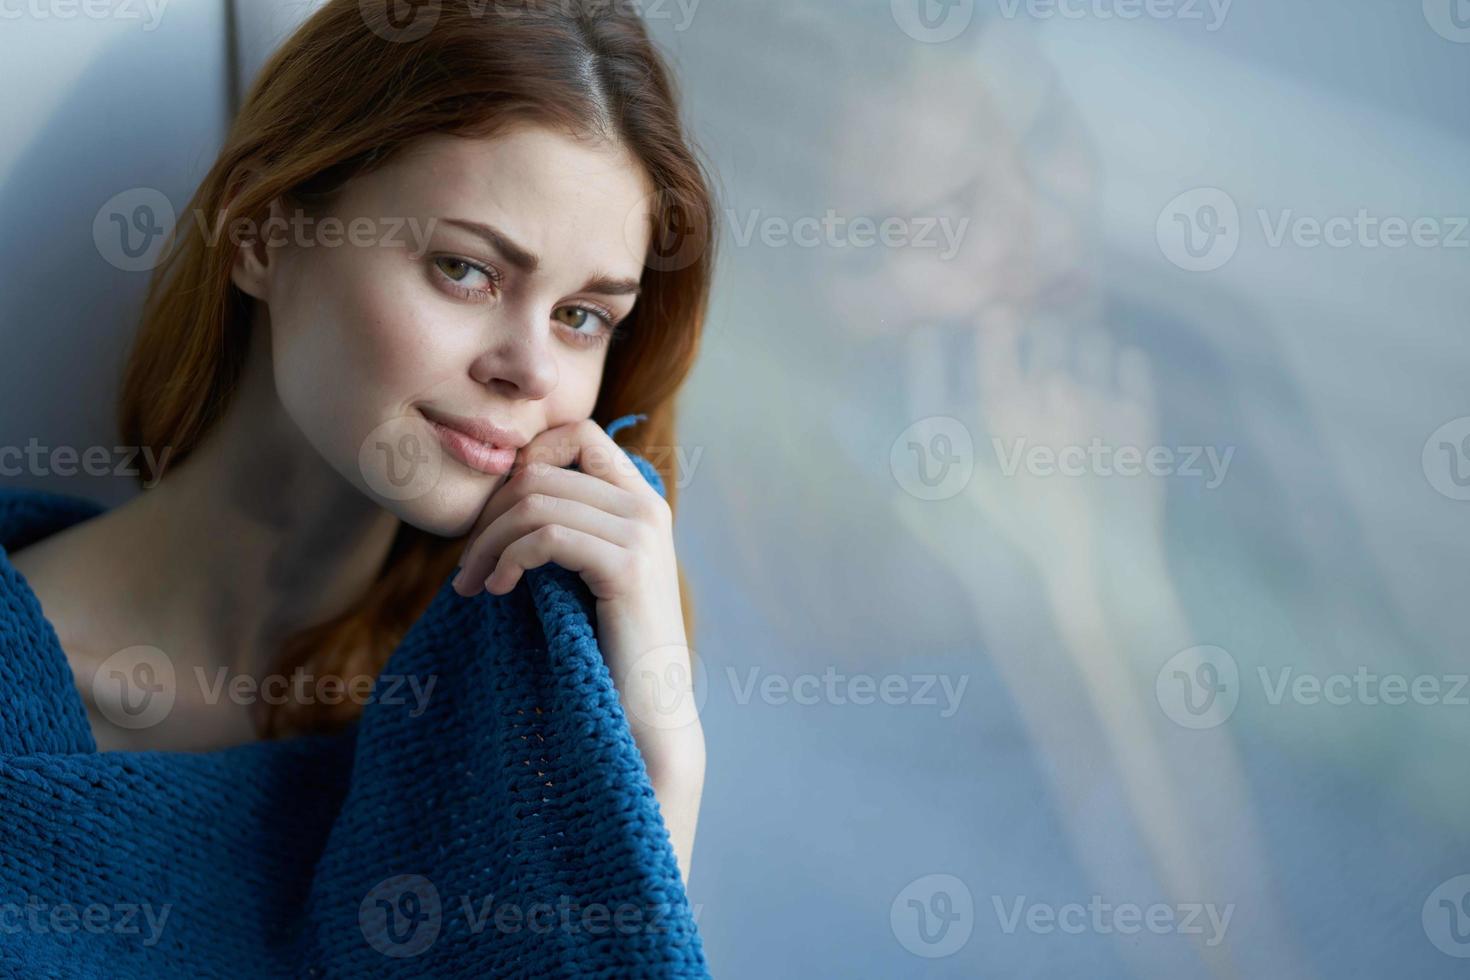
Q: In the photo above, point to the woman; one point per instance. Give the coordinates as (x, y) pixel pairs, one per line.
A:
(428, 257)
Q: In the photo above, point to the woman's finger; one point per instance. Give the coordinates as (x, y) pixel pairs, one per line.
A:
(555, 481)
(530, 512)
(600, 563)
(590, 448)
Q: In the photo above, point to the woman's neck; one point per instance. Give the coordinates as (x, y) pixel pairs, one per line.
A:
(248, 539)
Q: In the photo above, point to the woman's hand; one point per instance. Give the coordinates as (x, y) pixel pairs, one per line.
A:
(605, 522)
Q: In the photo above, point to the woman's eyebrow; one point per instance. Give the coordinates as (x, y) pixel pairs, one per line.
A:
(528, 262)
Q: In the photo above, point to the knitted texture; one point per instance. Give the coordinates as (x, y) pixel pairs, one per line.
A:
(504, 826)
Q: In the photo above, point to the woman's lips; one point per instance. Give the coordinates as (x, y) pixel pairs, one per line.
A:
(473, 453)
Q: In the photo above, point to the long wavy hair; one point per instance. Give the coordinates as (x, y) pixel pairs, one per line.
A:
(352, 86)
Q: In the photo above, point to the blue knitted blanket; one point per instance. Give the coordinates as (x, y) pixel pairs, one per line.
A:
(503, 827)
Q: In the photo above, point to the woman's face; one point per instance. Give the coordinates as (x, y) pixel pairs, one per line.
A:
(1013, 213)
(416, 320)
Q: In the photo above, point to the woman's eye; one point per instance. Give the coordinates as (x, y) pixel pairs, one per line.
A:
(603, 324)
(589, 324)
(466, 276)
(578, 316)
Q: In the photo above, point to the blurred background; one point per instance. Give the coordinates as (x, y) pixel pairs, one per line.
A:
(1075, 482)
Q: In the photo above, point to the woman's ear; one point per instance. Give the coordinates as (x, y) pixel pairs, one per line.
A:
(254, 261)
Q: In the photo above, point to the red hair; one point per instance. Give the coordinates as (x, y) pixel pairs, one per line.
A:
(339, 98)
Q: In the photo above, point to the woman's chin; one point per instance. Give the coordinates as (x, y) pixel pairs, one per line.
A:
(449, 508)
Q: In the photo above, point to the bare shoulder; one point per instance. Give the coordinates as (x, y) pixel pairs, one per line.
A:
(67, 573)
(83, 578)
(59, 570)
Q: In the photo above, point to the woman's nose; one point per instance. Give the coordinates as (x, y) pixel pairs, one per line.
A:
(520, 361)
